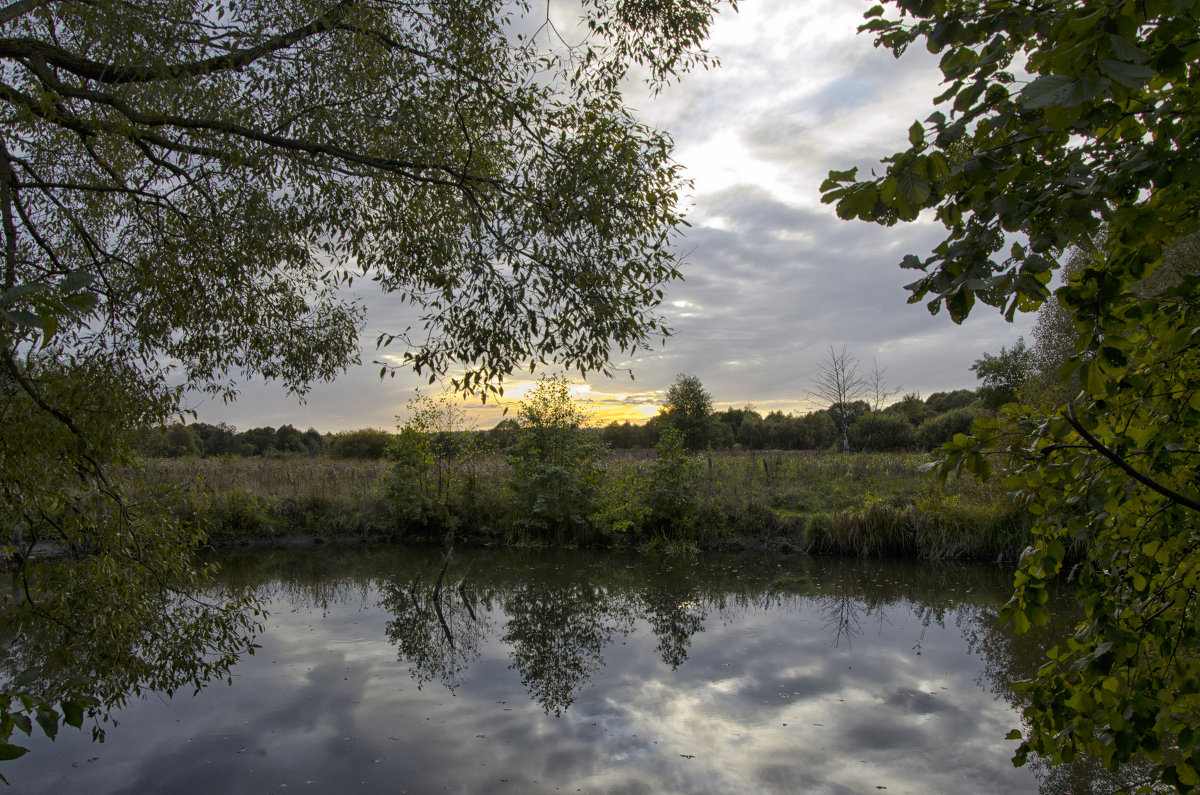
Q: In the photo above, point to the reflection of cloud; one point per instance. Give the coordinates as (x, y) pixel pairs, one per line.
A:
(764, 702)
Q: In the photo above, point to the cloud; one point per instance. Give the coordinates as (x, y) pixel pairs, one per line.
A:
(772, 278)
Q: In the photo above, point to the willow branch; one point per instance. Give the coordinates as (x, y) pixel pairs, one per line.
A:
(113, 74)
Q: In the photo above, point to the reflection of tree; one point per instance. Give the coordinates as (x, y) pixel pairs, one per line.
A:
(557, 634)
(62, 647)
(674, 615)
(435, 628)
(843, 616)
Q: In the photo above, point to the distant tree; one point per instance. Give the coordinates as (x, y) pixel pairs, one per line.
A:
(911, 407)
(751, 434)
(938, 430)
(939, 402)
(815, 431)
(256, 441)
(839, 384)
(689, 410)
(721, 436)
(500, 435)
(1004, 374)
(733, 418)
(216, 439)
(314, 442)
(875, 432)
(172, 441)
(288, 440)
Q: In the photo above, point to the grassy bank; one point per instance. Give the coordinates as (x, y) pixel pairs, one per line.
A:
(867, 504)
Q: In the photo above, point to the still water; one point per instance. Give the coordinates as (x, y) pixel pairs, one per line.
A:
(586, 672)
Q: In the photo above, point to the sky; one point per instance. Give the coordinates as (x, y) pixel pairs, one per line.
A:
(772, 278)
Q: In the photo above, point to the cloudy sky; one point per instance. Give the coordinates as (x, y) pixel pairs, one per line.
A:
(772, 277)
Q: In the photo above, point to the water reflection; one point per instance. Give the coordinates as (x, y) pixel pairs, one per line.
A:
(596, 672)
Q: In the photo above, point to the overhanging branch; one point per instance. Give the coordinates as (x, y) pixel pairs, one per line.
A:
(1153, 485)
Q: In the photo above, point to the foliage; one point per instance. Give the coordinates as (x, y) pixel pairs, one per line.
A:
(939, 430)
(1098, 142)
(185, 187)
(1004, 374)
(434, 462)
(445, 158)
(120, 614)
(554, 463)
(911, 408)
(941, 402)
(362, 443)
(671, 496)
(874, 431)
(689, 410)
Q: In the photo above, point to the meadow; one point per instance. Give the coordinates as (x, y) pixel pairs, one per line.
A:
(860, 504)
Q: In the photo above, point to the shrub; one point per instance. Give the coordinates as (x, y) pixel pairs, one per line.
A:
(877, 432)
(935, 432)
(364, 443)
(433, 461)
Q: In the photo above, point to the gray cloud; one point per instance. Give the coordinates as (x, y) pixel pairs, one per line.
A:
(772, 277)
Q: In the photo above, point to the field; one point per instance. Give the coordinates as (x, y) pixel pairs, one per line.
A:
(866, 504)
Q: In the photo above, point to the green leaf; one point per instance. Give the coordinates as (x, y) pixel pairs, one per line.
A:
(914, 188)
(9, 751)
(1046, 90)
(48, 720)
(1127, 74)
(72, 713)
(916, 134)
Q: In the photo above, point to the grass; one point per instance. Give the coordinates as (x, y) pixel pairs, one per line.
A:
(867, 504)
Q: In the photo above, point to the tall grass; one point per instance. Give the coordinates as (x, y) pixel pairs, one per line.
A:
(867, 504)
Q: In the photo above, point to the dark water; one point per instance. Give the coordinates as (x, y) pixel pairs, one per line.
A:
(571, 672)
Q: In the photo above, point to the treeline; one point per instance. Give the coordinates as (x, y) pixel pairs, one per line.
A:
(908, 424)
(202, 440)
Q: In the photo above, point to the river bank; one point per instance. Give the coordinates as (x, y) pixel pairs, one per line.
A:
(866, 505)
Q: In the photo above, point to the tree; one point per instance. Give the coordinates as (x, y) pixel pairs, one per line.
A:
(554, 462)
(1004, 374)
(839, 384)
(184, 187)
(940, 402)
(1069, 121)
(689, 410)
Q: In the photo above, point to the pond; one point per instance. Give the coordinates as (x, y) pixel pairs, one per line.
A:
(522, 671)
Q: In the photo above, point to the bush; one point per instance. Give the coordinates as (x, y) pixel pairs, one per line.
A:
(368, 443)
(671, 495)
(935, 432)
(877, 432)
(434, 459)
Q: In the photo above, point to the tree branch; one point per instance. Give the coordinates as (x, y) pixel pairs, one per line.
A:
(113, 74)
(1099, 447)
(19, 9)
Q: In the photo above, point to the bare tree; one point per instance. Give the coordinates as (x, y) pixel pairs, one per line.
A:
(839, 383)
